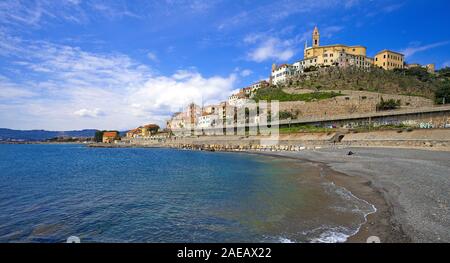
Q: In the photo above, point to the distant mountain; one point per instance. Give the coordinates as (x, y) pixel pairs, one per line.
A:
(41, 135)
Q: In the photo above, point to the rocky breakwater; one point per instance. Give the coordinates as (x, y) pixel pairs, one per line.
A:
(242, 147)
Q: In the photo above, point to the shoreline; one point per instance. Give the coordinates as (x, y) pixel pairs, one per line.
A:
(378, 223)
(409, 187)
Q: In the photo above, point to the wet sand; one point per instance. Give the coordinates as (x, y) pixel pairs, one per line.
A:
(408, 187)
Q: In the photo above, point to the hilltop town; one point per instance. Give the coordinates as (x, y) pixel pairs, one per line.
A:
(333, 89)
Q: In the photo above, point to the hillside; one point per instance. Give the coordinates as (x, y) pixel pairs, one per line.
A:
(413, 82)
(42, 135)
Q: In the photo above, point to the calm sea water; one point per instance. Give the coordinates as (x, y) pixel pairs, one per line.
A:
(51, 192)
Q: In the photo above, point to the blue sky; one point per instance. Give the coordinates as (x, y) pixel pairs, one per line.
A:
(74, 64)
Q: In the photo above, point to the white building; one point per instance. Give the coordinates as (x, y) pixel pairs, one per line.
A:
(280, 73)
(238, 100)
(207, 121)
(307, 63)
(260, 84)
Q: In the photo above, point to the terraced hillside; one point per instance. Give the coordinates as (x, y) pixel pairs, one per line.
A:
(415, 82)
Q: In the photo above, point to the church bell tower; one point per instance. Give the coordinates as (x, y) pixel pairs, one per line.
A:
(316, 37)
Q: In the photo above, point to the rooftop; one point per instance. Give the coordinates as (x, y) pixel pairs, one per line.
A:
(389, 51)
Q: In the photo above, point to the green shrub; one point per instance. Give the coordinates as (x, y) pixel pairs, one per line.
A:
(442, 94)
(390, 104)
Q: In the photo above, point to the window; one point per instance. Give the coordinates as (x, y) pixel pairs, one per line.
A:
(384, 56)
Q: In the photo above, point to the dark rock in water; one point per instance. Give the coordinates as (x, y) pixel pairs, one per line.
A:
(350, 153)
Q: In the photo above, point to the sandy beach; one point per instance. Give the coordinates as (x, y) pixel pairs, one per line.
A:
(409, 188)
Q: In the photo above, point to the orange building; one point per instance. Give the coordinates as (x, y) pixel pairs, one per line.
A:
(388, 60)
(109, 137)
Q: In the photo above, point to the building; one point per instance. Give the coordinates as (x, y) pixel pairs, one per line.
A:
(349, 60)
(210, 109)
(110, 136)
(333, 55)
(389, 60)
(329, 52)
(207, 121)
(429, 67)
(176, 122)
(186, 119)
(238, 100)
(133, 133)
(260, 84)
(251, 90)
(336, 55)
(143, 131)
(280, 73)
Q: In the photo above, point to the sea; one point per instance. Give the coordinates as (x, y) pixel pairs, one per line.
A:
(49, 192)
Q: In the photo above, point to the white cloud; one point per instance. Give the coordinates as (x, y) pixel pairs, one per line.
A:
(113, 10)
(38, 13)
(272, 49)
(410, 51)
(330, 31)
(392, 8)
(446, 64)
(171, 93)
(246, 72)
(10, 90)
(92, 113)
(35, 13)
(350, 3)
(68, 88)
(152, 56)
(276, 11)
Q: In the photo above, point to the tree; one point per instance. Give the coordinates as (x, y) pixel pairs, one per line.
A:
(98, 136)
(419, 72)
(442, 94)
(444, 72)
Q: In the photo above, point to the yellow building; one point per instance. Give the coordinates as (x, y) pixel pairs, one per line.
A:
(430, 68)
(330, 52)
(389, 60)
